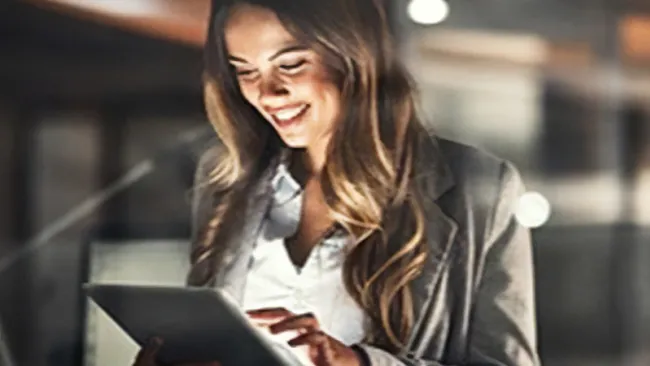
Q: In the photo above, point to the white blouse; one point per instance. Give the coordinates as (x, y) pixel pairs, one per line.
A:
(317, 287)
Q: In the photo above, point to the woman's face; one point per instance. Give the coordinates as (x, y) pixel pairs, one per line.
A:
(286, 81)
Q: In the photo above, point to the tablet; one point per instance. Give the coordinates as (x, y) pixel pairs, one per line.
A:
(196, 324)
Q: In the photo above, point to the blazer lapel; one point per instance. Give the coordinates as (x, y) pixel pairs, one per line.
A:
(234, 265)
(434, 181)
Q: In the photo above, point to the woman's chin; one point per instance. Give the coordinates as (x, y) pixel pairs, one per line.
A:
(295, 142)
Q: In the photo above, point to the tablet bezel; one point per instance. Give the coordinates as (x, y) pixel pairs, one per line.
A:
(180, 313)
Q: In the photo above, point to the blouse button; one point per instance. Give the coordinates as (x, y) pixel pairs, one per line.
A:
(299, 300)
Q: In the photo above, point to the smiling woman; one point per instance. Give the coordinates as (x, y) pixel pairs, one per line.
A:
(286, 81)
(333, 217)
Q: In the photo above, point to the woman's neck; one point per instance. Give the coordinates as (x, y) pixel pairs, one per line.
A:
(306, 165)
(313, 161)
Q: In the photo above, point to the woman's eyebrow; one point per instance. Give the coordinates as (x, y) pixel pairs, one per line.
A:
(287, 49)
(237, 59)
(291, 48)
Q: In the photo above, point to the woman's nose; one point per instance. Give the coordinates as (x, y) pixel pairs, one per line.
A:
(272, 89)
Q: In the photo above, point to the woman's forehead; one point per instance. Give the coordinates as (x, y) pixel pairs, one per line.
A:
(253, 31)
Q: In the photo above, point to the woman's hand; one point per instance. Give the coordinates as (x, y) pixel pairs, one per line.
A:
(323, 349)
(147, 355)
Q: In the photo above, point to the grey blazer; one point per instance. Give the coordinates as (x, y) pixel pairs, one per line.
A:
(474, 301)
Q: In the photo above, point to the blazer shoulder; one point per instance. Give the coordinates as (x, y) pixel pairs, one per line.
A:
(479, 171)
(203, 201)
(469, 164)
(486, 184)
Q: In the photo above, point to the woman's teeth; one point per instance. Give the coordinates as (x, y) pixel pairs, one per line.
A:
(288, 114)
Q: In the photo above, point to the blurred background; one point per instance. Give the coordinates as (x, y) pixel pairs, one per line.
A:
(93, 89)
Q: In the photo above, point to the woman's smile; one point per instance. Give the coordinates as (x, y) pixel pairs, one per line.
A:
(289, 117)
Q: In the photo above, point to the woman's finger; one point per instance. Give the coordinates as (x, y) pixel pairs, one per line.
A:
(267, 317)
(269, 313)
(301, 322)
(320, 351)
(147, 355)
(316, 339)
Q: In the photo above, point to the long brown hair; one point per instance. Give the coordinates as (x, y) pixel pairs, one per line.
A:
(368, 179)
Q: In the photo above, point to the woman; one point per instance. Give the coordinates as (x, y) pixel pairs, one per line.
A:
(331, 215)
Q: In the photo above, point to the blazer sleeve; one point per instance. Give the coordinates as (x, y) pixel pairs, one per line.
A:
(503, 323)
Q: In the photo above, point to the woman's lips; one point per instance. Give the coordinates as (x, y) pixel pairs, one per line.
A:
(288, 118)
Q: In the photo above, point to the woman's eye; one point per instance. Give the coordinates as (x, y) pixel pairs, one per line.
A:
(292, 66)
(245, 74)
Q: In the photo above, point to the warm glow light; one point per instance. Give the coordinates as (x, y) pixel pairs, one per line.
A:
(177, 20)
(635, 38)
(428, 12)
(533, 210)
(122, 7)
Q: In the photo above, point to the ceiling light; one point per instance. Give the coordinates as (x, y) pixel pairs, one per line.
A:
(428, 12)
